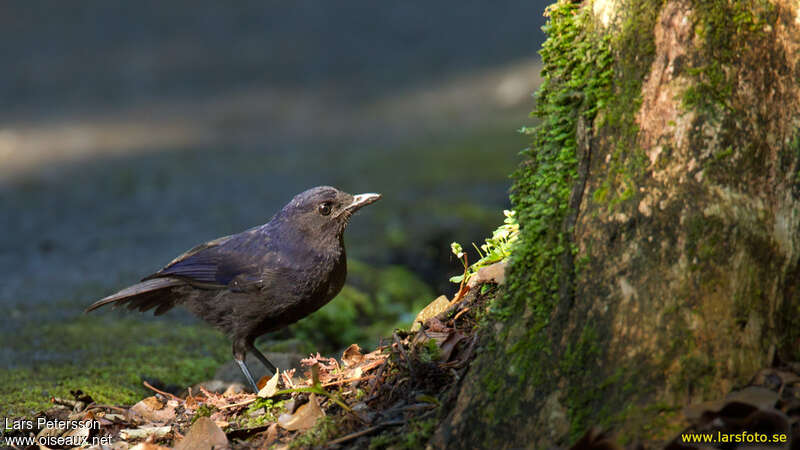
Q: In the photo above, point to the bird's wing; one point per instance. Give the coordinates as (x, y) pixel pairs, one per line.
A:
(216, 263)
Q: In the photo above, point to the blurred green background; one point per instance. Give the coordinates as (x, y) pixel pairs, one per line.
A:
(131, 132)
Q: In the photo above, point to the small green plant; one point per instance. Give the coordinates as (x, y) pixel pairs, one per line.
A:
(253, 416)
(429, 351)
(204, 410)
(497, 248)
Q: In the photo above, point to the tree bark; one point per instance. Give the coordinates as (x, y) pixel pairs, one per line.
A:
(660, 224)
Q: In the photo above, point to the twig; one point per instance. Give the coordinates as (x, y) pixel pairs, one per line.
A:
(365, 432)
(377, 378)
(63, 401)
(287, 378)
(207, 393)
(115, 408)
(159, 391)
(403, 352)
(335, 383)
(244, 403)
(459, 314)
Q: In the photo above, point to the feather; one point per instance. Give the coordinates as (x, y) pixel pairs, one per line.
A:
(141, 296)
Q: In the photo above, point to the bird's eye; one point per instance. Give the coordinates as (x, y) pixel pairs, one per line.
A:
(325, 208)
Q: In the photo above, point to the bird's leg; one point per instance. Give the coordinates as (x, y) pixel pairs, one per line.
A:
(246, 373)
(239, 353)
(262, 358)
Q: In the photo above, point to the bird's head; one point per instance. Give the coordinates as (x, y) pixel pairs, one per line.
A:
(324, 210)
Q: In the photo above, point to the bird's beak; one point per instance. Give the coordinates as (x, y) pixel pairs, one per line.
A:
(361, 200)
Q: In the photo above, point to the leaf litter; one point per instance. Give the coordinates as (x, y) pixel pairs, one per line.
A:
(383, 396)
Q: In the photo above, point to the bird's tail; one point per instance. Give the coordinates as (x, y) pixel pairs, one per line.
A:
(153, 293)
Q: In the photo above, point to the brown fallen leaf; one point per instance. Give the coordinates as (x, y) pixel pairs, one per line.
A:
(304, 418)
(204, 435)
(190, 403)
(271, 387)
(352, 355)
(153, 409)
(271, 435)
(449, 345)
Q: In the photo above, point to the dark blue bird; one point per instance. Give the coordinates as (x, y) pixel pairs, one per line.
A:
(259, 280)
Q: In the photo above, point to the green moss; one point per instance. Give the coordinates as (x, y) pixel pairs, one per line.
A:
(577, 74)
(593, 78)
(723, 30)
(635, 47)
(77, 355)
(204, 410)
(429, 351)
(580, 400)
(419, 431)
(695, 375)
(413, 436)
(262, 412)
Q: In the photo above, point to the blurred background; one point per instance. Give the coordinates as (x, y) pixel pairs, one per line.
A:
(129, 132)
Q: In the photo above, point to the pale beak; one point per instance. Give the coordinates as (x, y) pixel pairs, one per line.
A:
(362, 200)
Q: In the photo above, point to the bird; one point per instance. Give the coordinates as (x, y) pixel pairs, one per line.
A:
(260, 280)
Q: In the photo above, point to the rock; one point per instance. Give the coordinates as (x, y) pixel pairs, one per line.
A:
(433, 309)
(204, 435)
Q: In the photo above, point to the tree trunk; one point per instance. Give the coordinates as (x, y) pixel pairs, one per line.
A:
(660, 220)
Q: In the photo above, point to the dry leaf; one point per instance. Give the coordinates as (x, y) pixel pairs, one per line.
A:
(153, 409)
(272, 435)
(304, 418)
(204, 435)
(78, 434)
(352, 355)
(449, 345)
(271, 387)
